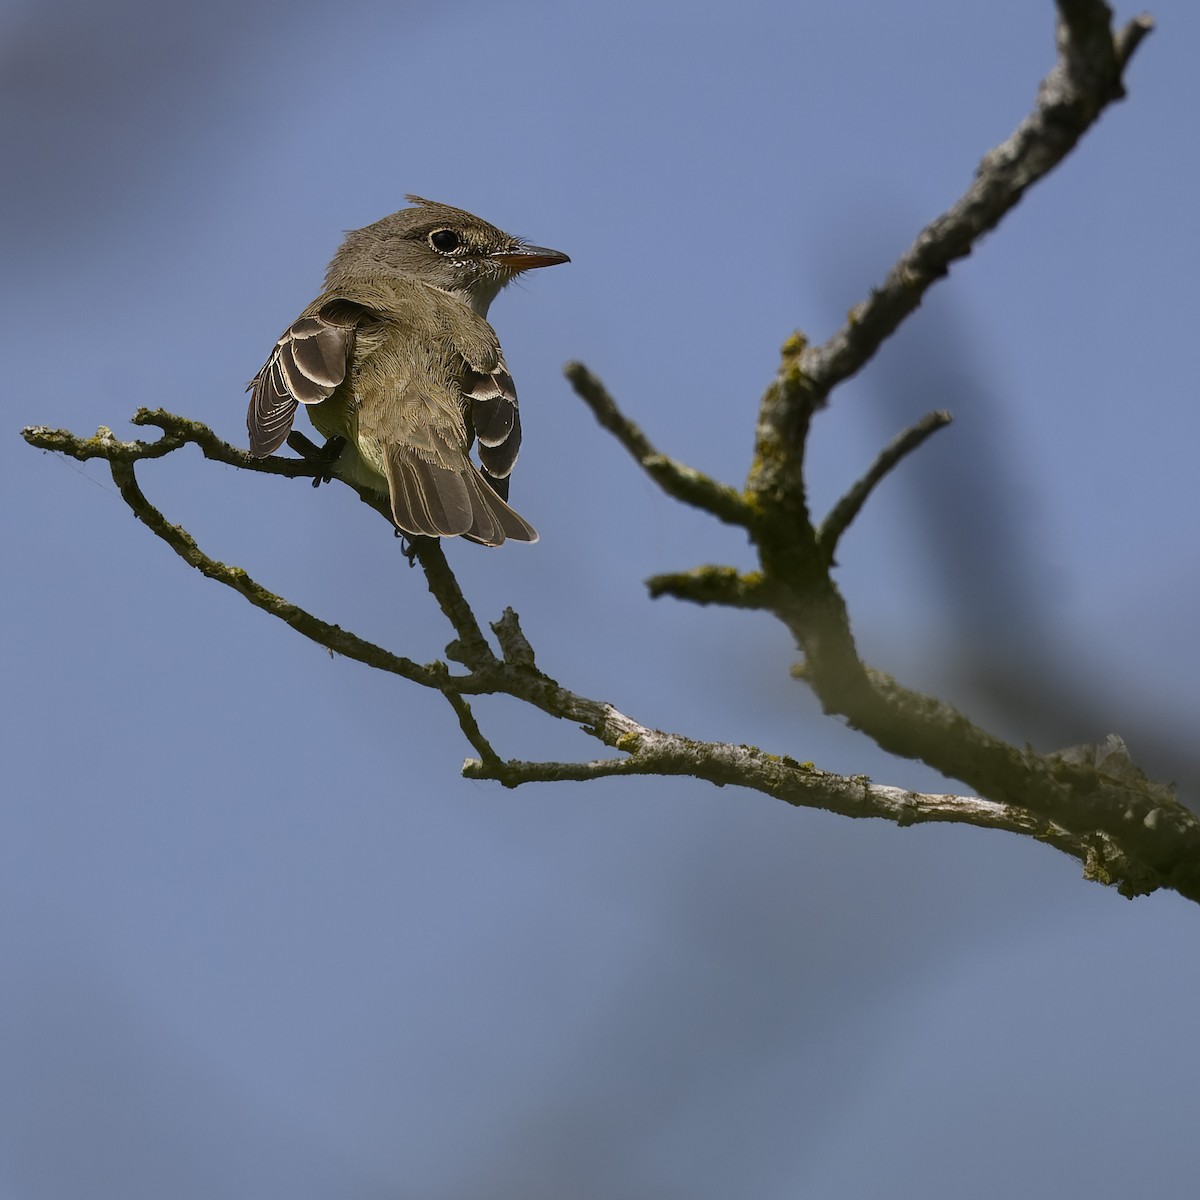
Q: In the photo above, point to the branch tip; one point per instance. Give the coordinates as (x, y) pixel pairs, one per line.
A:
(851, 504)
(714, 585)
(684, 483)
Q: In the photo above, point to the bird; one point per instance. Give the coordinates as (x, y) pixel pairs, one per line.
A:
(398, 368)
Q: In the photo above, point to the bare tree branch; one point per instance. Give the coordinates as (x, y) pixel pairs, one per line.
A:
(1086, 78)
(795, 556)
(850, 505)
(473, 734)
(802, 785)
(1091, 803)
(121, 458)
(471, 648)
(715, 585)
(682, 482)
(646, 751)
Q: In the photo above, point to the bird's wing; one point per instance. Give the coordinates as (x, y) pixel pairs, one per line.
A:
(489, 399)
(494, 419)
(307, 365)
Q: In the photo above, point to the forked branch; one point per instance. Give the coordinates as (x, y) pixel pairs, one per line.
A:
(1093, 805)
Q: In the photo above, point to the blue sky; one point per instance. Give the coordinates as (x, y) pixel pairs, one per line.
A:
(262, 939)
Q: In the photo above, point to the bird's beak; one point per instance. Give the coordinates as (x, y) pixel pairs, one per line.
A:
(525, 258)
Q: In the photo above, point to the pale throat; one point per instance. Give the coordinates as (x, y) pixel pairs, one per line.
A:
(479, 296)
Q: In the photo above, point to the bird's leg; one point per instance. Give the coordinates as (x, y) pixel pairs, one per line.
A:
(322, 456)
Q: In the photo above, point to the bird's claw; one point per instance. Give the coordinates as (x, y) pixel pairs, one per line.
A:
(322, 456)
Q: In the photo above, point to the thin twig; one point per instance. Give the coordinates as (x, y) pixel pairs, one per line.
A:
(715, 585)
(798, 784)
(1086, 78)
(850, 505)
(333, 637)
(472, 647)
(1070, 98)
(471, 731)
(1129, 38)
(675, 478)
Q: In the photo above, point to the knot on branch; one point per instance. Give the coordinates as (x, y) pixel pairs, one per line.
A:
(514, 645)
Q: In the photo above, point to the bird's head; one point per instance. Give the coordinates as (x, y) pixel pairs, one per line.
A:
(445, 247)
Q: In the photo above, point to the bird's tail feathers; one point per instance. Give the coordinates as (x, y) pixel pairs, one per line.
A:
(432, 500)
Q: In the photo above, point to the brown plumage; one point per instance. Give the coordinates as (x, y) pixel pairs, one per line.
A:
(396, 357)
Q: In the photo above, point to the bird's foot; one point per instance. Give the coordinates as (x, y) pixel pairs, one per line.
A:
(322, 456)
(410, 546)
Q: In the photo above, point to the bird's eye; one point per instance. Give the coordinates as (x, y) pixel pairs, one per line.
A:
(445, 241)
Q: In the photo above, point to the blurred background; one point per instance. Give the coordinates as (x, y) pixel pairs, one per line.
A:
(258, 936)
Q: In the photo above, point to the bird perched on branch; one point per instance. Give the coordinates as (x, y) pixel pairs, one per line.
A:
(399, 369)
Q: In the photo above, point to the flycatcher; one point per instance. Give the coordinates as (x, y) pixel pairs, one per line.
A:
(399, 369)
